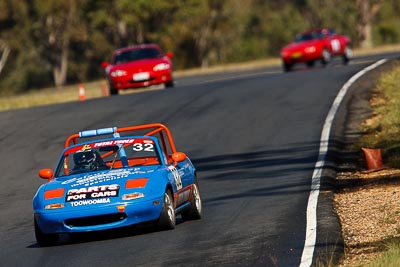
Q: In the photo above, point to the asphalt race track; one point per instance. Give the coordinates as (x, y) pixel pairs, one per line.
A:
(254, 137)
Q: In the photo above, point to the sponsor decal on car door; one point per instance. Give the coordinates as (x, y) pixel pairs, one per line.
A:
(177, 177)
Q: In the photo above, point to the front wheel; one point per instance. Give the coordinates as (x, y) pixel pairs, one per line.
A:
(310, 63)
(194, 213)
(169, 84)
(326, 57)
(347, 55)
(286, 66)
(113, 91)
(45, 240)
(167, 218)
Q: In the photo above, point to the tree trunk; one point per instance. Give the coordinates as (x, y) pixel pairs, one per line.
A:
(139, 34)
(367, 13)
(59, 40)
(5, 49)
(60, 70)
(122, 33)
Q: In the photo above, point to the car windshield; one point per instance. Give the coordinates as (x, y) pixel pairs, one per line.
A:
(137, 54)
(108, 154)
(313, 35)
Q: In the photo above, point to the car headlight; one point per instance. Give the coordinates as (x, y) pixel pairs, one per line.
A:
(310, 49)
(161, 66)
(118, 73)
(284, 53)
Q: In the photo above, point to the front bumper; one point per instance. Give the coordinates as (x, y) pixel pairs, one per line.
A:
(102, 217)
(120, 83)
(299, 57)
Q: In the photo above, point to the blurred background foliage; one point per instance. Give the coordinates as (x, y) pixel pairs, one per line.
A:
(51, 42)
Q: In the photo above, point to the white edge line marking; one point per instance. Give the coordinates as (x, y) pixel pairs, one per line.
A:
(311, 230)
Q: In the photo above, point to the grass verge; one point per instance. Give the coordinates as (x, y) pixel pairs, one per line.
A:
(383, 129)
(49, 96)
(390, 258)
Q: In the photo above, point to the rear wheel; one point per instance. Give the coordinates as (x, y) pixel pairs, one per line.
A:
(45, 240)
(194, 213)
(167, 218)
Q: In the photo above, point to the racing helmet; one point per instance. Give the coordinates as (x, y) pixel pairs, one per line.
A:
(84, 159)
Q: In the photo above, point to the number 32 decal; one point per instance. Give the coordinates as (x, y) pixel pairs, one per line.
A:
(177, 177)
(143, 147)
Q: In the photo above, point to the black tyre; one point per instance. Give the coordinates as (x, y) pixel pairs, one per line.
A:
(194, 213)
(113, 91)
(167, 219)
(169, 84)
(326, 57)
(347, 55)
(310, 63)
(45, 240)
(287, 66)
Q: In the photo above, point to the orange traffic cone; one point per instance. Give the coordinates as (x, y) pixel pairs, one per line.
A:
(82, 94)
(373, 158)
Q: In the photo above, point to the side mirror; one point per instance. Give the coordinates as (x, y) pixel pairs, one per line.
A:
(178, 156)
(46, 174)
(169, 54)
(105, 64)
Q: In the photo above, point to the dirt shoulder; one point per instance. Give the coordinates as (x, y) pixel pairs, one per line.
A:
(368, 205)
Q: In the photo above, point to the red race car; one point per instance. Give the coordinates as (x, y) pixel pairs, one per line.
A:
(138, 66)
(313, 45)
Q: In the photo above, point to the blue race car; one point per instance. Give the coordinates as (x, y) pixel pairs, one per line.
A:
(134, 176)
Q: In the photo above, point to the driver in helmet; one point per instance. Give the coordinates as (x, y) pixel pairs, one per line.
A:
(86, 160)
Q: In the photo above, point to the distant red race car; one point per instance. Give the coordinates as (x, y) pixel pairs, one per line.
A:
(318, 44)
(138, 66)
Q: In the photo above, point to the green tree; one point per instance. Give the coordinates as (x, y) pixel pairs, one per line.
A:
(44, 42)
(282, 27)
(337, 14)
(4, 52)
(386, 24)
(57, 24)
(4, 20)
(145, 21)
(21, 70)
(367, 10)
(203, 31)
